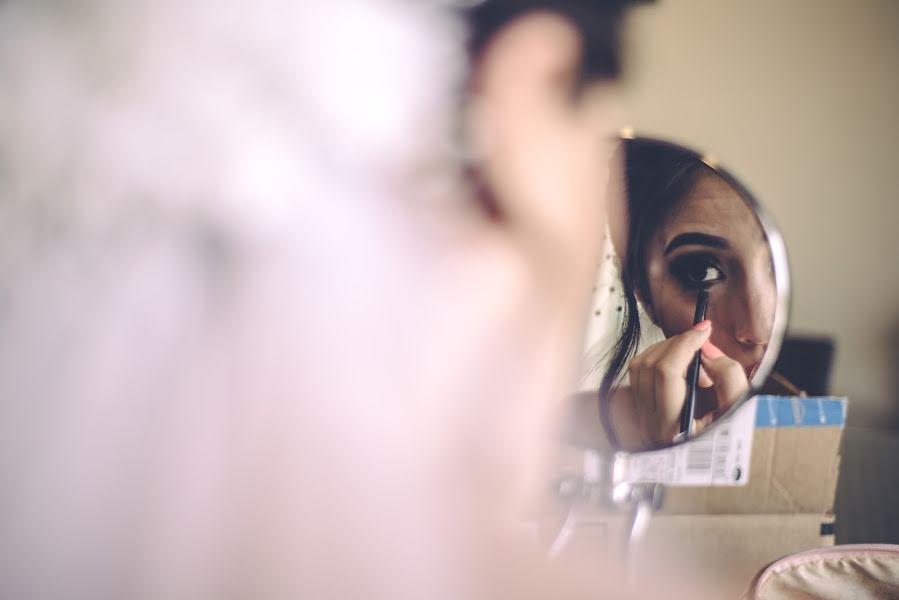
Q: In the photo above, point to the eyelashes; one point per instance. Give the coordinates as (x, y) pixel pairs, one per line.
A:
(697, 271)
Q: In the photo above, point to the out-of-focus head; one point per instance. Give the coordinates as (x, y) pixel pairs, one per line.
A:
(257, 335)
(597, 22)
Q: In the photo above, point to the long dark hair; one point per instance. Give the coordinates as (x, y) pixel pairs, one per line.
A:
(657, 175)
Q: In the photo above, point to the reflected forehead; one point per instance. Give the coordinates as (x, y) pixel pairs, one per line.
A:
(714, 207)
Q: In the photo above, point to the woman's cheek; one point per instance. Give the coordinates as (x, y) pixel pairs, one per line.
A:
(675, 308)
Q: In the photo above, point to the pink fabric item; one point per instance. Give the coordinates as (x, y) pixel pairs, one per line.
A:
(859, 572)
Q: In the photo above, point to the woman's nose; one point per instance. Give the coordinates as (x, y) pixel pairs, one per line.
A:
(753, 333)
(754, 328)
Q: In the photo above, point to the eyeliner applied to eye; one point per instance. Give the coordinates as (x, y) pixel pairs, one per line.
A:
(697, 270)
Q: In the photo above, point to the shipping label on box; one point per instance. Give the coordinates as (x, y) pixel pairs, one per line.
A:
(793, 468)
(720, 458)
(723, 458)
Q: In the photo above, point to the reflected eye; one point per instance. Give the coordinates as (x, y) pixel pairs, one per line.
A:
(697, 271)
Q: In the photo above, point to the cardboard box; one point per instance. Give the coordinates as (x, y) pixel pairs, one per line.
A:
(730, 547)
(794, 464)
(785, 506)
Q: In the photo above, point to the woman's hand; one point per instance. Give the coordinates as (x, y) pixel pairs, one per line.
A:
(658, 388)
(725, 375)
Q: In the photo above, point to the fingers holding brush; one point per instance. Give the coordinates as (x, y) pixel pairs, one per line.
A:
(727, 375)
(658, 379)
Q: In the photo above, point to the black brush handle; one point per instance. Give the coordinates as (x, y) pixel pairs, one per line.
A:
(686, 420)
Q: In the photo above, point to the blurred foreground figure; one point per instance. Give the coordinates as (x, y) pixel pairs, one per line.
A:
(270, 325)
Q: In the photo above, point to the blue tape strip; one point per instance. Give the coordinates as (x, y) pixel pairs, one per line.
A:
(795, 411)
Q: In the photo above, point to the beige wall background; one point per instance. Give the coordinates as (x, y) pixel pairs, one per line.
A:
(800, 99)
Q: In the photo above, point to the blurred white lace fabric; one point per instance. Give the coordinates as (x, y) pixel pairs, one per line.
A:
(607, 319)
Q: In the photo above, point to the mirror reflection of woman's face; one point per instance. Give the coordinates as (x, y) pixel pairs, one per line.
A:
(713, 241)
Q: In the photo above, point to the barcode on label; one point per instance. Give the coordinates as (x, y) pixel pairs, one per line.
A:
(718, 459)
(699, 457)
(722, 450)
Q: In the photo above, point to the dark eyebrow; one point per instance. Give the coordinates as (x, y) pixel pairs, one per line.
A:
(701, 239)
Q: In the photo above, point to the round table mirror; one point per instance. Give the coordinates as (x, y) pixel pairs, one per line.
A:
(702, 292)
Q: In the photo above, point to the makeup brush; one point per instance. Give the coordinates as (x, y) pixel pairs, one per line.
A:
(686, 421)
